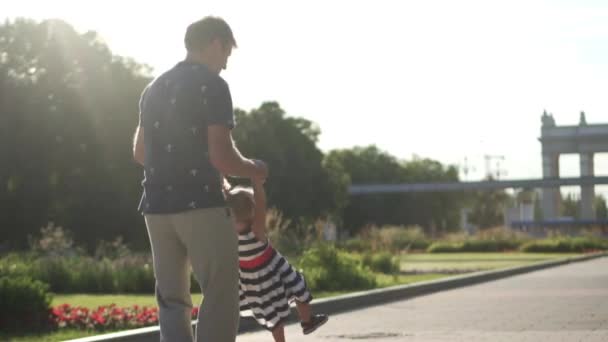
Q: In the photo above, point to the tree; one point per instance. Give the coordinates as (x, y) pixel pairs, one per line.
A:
(570, 206)
(488, 207)
(601, 212)
(301, 184)
(69, 107)
(538, 209)
(369, 165)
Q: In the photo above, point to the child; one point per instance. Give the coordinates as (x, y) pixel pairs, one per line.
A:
(267, 281)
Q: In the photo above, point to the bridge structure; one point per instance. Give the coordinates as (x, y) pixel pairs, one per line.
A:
(583, 139)
(543, 183)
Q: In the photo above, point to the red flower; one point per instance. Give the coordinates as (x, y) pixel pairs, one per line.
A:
(57, 311)
(103, 317)
(99, 319)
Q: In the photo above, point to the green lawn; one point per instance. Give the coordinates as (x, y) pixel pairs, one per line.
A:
(389, 280)
(94, 300)
(462, 262)
(51, 337)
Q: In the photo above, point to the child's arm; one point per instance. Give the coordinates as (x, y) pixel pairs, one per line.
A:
(259, 218)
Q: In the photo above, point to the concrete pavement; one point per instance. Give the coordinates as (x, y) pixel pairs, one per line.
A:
(566, 303)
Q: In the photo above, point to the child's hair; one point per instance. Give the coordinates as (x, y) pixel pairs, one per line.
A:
(240, 200)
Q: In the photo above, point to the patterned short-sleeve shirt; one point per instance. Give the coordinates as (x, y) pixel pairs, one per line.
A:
(175, 111)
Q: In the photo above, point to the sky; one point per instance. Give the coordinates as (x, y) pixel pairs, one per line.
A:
(439, 79)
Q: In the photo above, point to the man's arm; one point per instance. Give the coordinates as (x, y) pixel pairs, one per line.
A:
(227, 159)
(138, 138)
(138, 145)
(259, 219)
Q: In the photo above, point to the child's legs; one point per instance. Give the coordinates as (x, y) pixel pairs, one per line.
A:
(304, 311)
(278, 333)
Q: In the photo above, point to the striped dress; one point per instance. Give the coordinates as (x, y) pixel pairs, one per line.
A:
(268, 283)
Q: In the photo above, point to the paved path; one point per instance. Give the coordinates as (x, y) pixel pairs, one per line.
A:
(566, 303)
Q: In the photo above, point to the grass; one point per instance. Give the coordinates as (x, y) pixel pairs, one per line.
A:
(92, 301)
(385, 280)
(49, 337)
(463, 262)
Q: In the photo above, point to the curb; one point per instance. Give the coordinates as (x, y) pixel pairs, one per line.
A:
(358, 300)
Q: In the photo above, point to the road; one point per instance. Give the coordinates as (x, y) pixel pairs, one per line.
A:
(566, 303)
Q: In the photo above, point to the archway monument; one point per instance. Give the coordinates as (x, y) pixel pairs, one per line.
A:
(583, 139)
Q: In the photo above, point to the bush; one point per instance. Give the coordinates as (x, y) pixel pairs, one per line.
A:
(490, 245)
(25, 305)
(565, 245)
(490, 240)
(134, 274)
(54, 260)
(112, 250)
(128, 274)
(90, 276)
(291, 238)
(55, 271)
(501, 234)
(473, 246)
(15, 265)
(444, 247)
(381, 262)
(396, 238)
(327, 269)
(54, 241)
(356, 245)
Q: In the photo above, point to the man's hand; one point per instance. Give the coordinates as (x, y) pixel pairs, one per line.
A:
(227, 159)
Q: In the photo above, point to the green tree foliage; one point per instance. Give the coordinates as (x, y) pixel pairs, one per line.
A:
(601, 211)
(369, 165)
(487, 207)
(68, 108)
(300, 183)
(570, 206)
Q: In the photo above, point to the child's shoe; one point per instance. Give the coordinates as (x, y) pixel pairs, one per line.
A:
(315, 322)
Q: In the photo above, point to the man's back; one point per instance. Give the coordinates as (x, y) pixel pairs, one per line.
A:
(176, 110)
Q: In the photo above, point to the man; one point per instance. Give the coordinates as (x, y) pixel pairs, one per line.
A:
(186, 116)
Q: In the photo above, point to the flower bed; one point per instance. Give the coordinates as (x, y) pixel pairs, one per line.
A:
(110, 317)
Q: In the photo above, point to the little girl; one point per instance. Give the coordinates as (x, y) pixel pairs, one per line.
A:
(267, 281)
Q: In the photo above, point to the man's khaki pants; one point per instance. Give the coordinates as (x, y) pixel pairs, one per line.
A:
(207, 240)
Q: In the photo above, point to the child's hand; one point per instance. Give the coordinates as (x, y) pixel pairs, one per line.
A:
(261, 236)
(258, 182)
(225, 186)
(262, 169)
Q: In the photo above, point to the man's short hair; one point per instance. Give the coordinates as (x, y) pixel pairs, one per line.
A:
(203, 32)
